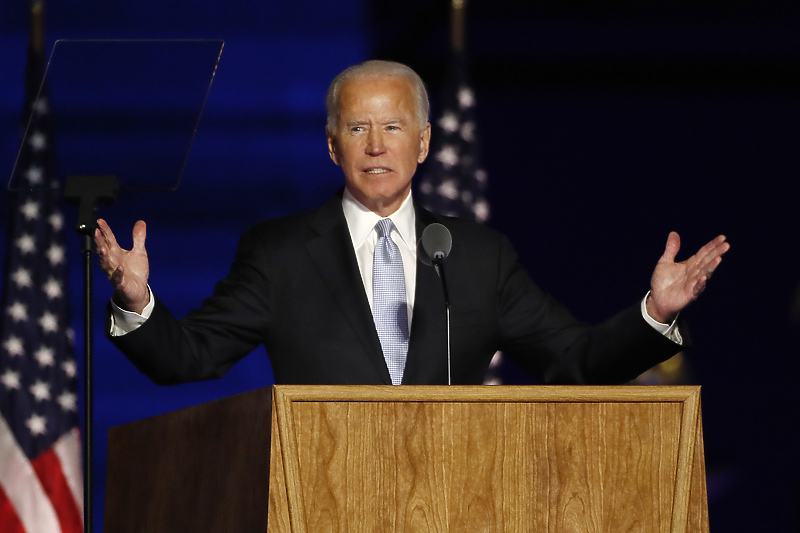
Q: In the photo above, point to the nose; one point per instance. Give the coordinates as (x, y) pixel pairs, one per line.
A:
(375, 145)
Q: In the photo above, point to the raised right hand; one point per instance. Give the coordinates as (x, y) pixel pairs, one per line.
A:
(127, 270)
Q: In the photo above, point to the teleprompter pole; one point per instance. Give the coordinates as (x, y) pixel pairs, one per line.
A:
(86, 192)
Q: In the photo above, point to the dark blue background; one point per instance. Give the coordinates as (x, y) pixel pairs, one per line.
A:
(605, 125)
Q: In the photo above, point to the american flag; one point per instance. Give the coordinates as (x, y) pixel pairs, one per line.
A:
(455, 181)
(41, 486)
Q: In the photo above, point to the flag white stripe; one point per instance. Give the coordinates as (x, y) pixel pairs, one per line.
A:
(68, 450)
(22, 486)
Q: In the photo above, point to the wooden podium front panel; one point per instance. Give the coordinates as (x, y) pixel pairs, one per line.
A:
(507, 460)
(446, 467)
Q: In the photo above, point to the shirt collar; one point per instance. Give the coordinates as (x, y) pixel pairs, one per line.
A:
(361, 221)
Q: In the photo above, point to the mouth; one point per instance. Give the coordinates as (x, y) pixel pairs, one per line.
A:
(377, 170)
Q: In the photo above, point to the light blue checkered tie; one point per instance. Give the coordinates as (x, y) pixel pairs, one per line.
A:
(389, 307)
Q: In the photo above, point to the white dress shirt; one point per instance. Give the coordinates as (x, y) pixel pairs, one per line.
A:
(361, 223)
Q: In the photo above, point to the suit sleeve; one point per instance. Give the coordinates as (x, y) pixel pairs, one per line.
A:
(541, 335)
(205, 344)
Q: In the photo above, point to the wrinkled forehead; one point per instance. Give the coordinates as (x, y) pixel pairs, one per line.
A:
(386, 95)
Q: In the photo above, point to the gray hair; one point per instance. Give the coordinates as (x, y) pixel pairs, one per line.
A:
(377, 69)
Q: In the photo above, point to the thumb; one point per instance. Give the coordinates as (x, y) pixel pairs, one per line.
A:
(139, 235)
(673, 245)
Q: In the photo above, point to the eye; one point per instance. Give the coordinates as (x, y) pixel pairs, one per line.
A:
(392, 128)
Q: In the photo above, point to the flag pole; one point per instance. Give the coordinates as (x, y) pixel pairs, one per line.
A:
(458, 40)
(37, 47)
(457, 25)
(83, 191)
(37, 26)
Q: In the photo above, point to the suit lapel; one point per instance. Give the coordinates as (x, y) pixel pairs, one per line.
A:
(426, 362)
(332, 253)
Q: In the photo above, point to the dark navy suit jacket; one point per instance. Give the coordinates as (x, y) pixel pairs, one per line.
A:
(295, 288)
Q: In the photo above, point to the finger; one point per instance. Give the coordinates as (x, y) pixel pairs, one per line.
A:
(723, 247)
(139, 235)
(700, 262)
(107, 234)
(700, 286)
(99, 243)
(709, 267)
(712, 249)
(104, 258)
(673, 245)
(710, 260)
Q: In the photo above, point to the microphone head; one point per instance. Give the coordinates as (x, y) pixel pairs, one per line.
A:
(436, 242)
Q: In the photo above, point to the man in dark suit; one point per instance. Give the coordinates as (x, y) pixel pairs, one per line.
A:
(310, 286)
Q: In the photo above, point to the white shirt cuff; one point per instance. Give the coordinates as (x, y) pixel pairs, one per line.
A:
(670, 331)
(123, 321)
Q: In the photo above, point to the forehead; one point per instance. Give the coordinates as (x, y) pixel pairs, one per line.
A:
(380, 96)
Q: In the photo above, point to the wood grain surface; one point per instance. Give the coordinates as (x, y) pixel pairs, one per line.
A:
(488, 459)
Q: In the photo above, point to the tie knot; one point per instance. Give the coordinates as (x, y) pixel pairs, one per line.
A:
(384, 227)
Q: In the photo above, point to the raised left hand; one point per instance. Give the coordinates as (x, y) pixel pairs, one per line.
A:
(674, 285)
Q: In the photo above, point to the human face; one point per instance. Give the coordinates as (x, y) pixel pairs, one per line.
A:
(378, 141)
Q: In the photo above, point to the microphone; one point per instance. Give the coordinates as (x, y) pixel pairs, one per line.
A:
(437, 243)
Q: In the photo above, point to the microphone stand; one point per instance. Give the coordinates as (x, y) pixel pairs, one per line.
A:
(438, 264)
(436, 243)
(86, 192)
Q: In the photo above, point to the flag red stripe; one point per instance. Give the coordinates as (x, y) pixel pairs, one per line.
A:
(48, 469)
(9, 521)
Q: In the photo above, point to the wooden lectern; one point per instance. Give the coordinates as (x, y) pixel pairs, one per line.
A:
(415, 459)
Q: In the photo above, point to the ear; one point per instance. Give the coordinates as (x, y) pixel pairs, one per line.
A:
(332, 149)
(424, 142)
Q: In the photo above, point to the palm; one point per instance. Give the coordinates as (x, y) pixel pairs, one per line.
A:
(675, 285)
(127, 270)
